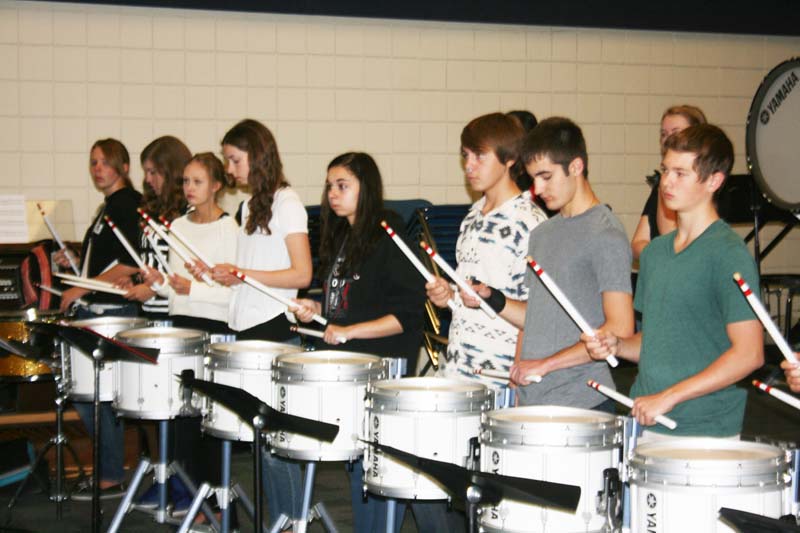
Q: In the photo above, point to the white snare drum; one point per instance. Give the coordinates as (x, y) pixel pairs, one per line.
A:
(679, 485)
(246, 365)
(549, 443)
(154, 392)
(81, 366)
(429, 417)
(327, 386)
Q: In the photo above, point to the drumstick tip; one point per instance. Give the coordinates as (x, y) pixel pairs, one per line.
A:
(737, 276)
(384, 224)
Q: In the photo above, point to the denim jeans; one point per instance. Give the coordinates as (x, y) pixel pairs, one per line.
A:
(370, 516)
(283, 486)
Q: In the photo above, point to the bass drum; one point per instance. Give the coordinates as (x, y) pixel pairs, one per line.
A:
(773, 135)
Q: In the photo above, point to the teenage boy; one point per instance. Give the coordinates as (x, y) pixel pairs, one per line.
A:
(585, 250)
(699, 335)
(491, 247)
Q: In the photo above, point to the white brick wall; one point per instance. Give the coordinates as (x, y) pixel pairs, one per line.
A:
(401, 90)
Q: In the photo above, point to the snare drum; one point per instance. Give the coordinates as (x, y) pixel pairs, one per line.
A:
(549, 443)
(154, 392)
(14, 368)
(327, 386)
(429, 417)
(80, 371)
(246, 365)
(679, 485)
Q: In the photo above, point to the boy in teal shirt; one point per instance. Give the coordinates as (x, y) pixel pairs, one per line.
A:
(699, 335)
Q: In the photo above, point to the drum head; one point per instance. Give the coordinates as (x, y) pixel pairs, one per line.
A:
(430, 384)
(328, 357)
(773, 135)
(550, 414)
(708, 450)
(170, 340)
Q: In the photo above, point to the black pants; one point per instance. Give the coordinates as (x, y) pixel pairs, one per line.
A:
(276, 330)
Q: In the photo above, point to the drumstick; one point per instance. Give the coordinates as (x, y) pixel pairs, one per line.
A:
(272, 294)
(779, 394)
(159, 256)
(314, 333)
(627, 402)
(192, 249)
(58, 240)
(412, 257)
(85, 281)
(766, 321)
(57, 292)
(172, 244)
(127, 245)
(96, 288)
(562, 299)
(500, 374)
(447, 269)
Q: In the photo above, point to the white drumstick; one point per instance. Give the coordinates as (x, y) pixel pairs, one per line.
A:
(272, 294)
(189, 246)
(129, 248)
(447, 269)
(412, 257)
(766, 320)
(85, 281)
(172, 244)
(159, 256)
(96, 288)
(314, 333)
(57, 292)
(58, 240)
(627, 402)
(562, 299)
(500, 374)
(779, 394)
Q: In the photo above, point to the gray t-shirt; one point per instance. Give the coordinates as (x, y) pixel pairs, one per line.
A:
(585, 255)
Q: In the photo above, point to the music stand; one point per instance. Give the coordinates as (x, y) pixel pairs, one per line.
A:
(101, 349)
(477, 488)
(262, 417)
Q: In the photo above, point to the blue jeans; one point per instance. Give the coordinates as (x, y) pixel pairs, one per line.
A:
(370, 516)
(283, 486)
(112, 431)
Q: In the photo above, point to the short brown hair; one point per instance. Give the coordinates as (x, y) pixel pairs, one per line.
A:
(712, 149)
(558, 138)
(693, 115)
(501, 134)
(117, 157)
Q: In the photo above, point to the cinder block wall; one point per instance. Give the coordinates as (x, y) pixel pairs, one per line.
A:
(401, 90)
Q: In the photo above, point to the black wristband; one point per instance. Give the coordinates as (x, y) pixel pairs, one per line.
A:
(496, 300)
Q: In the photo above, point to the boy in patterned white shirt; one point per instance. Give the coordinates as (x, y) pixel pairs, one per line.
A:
(491, 248)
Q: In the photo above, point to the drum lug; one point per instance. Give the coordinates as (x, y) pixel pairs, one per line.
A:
(609, 501)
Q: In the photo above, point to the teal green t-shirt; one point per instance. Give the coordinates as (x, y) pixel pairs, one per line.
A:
(686, 300)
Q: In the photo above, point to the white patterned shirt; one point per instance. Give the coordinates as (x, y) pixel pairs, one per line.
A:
(491, 248)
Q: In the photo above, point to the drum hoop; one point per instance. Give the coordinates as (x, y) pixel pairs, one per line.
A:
(188, 345)
(750, 135)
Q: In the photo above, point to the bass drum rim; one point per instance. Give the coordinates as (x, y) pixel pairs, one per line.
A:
(753, 164)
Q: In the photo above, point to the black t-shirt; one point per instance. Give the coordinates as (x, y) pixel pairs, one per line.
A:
(105, 247)
(384, 283)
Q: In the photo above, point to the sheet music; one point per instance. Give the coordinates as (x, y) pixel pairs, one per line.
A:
(13, 220)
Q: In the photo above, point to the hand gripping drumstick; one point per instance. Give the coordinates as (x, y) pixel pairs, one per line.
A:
(627, 402)
(127, 245)
(766, 321)
(189, 246)
(499, 374)
(257, 285)
(779, 394)
(562, 299)
(58, 240)
(314, 333)
(447, 269)
(413, 258)
(172, 244)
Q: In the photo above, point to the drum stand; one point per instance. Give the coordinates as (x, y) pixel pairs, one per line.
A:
(162, 471)
(226, 493)
(307, 512)
(59, 440)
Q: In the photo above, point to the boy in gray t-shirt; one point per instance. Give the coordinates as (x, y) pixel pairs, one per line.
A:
(585, 251)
